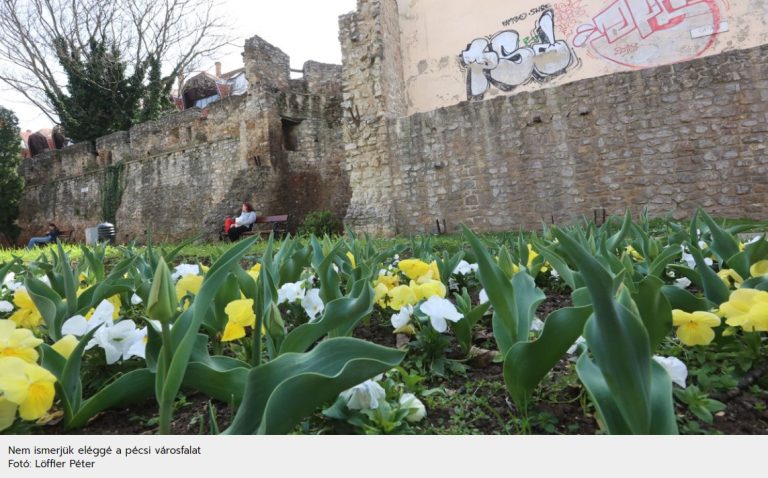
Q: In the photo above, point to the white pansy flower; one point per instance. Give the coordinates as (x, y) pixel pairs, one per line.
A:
(483, 296)
(439, 310)
(402, 318)
(417, 410)
(135, 299)
(79, 325)
(691, 262)
(139, 347)
(185, 270)
(554, 273)
(573, 348)
(682, 283)
(6, 306)
(313, 304)
(365, 396)
(117, 340)
(10, 282)
(290, 292)
(674, 367)
(537, 325)
(465, 268)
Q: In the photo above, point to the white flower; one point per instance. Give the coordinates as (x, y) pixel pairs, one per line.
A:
(753, 240)
(139, 347)
(10, 282)
(6, 306)
(79, 325)
(671, 274)
(554, 273)
(290, 292)
(365, 396)
(465, 268)
(682, 283)
(537, 325)
(185, 270)
(483, 296)
(439, 310)
(691, 262)
(136, 300)
(45, 280)
(674, 367)
(312, 304)
(575, 346)
(452, 284)
(417, 410)
(117, 340)
(403, 317)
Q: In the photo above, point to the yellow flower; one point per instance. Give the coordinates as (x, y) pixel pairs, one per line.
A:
(636, 256)
(27, 316)
(352, 259)
(241, 315)
(748, 309)
(7, 413)
(188, 284)
(255, 271)
(387, 280)
(115, 300)
(428, 289)
(413, 268)
(66, 345)
(380, 293)
(759, 269)
(731, 278)
(27, 385)
(532, 255)
(19, 343)
(401, 296)
(695, 328)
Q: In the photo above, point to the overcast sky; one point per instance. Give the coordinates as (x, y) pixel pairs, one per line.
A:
(304, 29)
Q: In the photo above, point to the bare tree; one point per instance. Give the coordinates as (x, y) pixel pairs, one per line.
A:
(177, 33)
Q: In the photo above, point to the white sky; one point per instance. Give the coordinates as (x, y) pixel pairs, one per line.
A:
(304, 29)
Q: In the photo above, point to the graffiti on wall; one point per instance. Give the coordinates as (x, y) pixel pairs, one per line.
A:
(506, 62)
(647, 33)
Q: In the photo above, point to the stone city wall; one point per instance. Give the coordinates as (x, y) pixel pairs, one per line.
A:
(182, 174)
(669, 138)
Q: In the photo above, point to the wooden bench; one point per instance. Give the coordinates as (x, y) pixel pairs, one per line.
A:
(65, 237)
(265, 225)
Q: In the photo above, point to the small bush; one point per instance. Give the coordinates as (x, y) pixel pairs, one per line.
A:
(320, 223)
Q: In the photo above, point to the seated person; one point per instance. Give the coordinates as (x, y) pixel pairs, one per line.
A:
(243, 222)
(53, 234)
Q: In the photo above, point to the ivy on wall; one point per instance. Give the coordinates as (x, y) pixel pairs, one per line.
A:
(112, 187)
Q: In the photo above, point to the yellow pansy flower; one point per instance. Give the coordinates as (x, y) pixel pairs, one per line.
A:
(18, 343)
(188, 284)
(380, 293)
(636, 256)
(66, 345)
(241, 315)
(401, 296)
(759, 269)
(731, 278)
(748, 309)
(695, 328)
(27, 385)
(387, 280)
(428, 289)
(27, 315)
(413, 268)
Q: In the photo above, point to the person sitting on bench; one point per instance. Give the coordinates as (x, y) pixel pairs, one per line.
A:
(243, 222)
(53, 234)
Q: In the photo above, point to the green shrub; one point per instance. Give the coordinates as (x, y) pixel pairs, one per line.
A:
(11, 184)
(321, 223)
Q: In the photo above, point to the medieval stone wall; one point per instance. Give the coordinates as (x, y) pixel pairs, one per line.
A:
(182, 174)
(671, 139)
